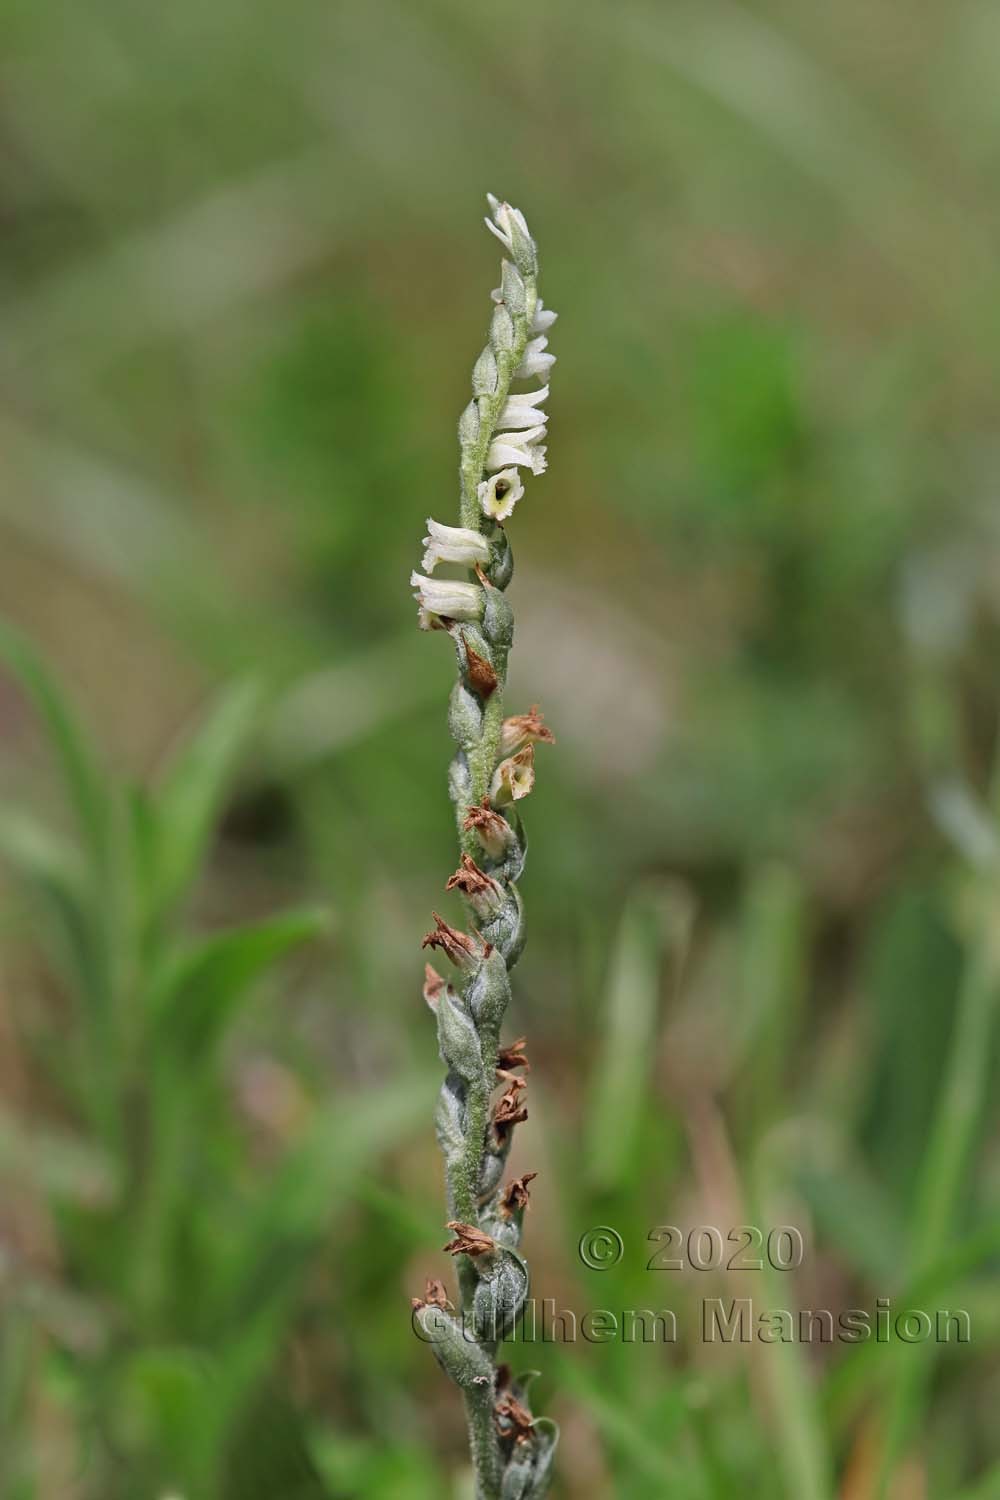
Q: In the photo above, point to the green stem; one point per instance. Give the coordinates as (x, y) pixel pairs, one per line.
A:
(483, 1445)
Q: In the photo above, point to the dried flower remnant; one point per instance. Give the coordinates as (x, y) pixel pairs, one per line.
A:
(469, 1240)
(434, 1296)
(513, 1056)
(515, 1196)
(509, 1110)
(464, 951)
(513, 1419)
(502, 434)
(493, 831)
(513, 778)
(483, 893)
(522, 729)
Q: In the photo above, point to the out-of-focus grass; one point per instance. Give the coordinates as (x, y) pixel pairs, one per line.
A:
(756, 594)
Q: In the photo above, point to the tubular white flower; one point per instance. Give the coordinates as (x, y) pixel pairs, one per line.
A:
(535, 361)
(499, 494)
(447, 598)
(543, 318)
(522, 410)
(453, 544)
(521, 448)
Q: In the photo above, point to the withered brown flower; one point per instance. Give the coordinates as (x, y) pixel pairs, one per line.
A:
(515, 1195)
(485, 893)
(508, 1110)
(492, 830)
(521, 729)
(464, 950)
(513, 1057)
(513, 1419)
(468, 1240)
(434, 1296)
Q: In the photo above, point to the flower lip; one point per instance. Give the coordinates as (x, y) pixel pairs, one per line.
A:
(499, 494)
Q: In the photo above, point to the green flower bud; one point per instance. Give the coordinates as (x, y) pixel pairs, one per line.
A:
(465, 716)
(458, 1038)
(485, 374)
(468, 426)
(502, 330)
(455, 1350)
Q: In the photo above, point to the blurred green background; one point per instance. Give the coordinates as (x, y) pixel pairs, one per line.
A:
(243, 280)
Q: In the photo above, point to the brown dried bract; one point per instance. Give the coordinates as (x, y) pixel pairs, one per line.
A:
(463, 950)
(481, 674)
(434, 983)
(513, 1057)
(472, 881)
(468, 1240)
(513, 1419)
(515, 1194)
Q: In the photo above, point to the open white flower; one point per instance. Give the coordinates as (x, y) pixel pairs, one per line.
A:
(453, 544)
(535, 361)
(543, 318)
(447, 598)
(523, 448)
(522, 410)
(500, 493)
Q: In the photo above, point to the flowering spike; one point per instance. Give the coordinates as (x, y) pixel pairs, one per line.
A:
(501, 436)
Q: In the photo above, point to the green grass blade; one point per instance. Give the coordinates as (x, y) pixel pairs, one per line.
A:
(81, 771)
(188, 801)
(199, 990)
